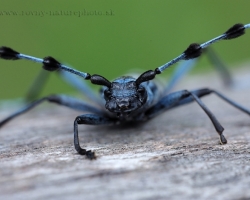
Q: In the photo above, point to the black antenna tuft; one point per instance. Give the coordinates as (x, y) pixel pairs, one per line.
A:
(8, 53)
(50, 64)
(235, 31)
(193, 51)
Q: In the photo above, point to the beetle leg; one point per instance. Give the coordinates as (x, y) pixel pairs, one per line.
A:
(90, 119)
(184, 67)
(181, 70)
(59, 99)
(183, 97)
(41, 79)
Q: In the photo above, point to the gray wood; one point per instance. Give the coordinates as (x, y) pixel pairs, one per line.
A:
(174, 156)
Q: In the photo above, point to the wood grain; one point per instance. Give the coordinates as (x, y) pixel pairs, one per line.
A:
(174, 156)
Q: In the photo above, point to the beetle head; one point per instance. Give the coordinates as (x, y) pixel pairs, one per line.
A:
(124, 96)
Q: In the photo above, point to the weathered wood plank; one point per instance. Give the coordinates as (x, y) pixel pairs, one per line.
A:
(174, 156)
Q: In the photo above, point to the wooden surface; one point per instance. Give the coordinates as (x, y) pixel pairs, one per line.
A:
(174, 156)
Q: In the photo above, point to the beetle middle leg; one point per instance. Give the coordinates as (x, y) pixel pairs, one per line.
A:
(58, 99)
(183, 97)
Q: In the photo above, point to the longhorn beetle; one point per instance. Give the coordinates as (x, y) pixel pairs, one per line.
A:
(127, 98)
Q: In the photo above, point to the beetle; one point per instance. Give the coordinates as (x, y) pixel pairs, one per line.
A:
(127, 98)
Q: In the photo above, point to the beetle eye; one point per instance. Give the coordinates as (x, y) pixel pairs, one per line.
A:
(107, 94)
(141, 90)
(142, 94)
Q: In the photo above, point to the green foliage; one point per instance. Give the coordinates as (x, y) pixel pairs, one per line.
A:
(112, 37)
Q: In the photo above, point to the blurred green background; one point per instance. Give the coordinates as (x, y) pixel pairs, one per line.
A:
(134, 34)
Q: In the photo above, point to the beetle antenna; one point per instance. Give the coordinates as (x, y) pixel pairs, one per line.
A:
(194, 50)
(51, 64)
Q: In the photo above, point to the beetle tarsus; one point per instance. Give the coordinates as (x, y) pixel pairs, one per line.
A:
(223, 140)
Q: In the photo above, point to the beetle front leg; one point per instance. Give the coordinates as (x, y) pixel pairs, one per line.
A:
(90, 119)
